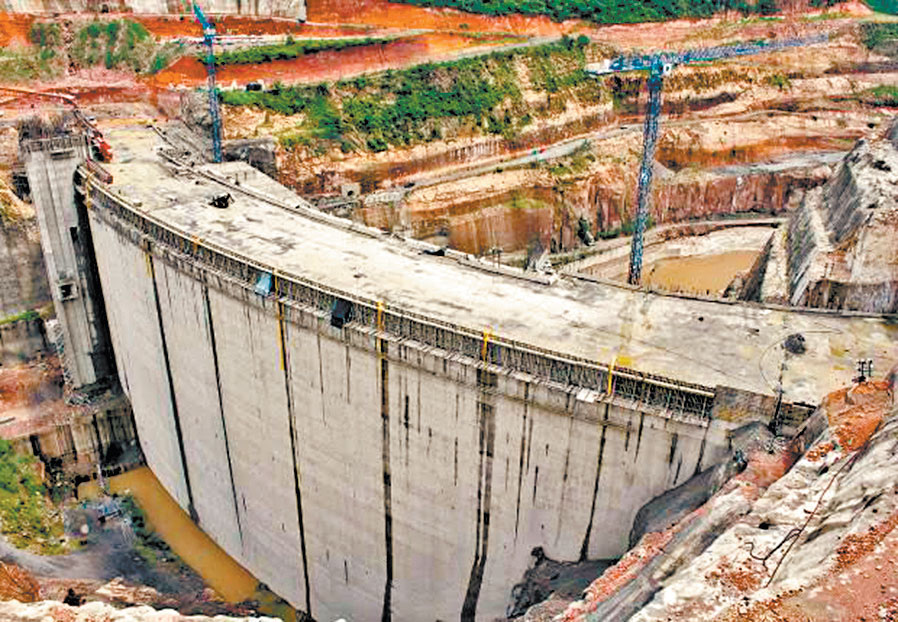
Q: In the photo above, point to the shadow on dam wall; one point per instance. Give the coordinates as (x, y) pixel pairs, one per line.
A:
(360, 474)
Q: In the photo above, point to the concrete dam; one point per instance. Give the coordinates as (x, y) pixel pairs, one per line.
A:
(380, 430)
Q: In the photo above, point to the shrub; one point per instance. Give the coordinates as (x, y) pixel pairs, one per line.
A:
(605, 11)
(875, 34)
(291, 48)
(44, 35)
(882, 95)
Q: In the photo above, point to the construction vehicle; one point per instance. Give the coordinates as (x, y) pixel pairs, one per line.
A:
(99, 148)
(209, 36)
(657, 65)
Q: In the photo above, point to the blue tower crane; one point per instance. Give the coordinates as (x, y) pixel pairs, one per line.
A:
(209, 36)
(657, 65)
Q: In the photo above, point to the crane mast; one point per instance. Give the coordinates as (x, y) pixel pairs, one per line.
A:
(209, 36)
(657, 65)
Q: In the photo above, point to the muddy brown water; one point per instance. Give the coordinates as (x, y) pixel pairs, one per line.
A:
(164, 516)
(698, 274)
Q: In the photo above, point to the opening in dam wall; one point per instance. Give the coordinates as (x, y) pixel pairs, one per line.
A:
(372, 463)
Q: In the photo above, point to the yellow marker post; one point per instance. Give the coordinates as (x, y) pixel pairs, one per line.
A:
(611, 374)
(487, 335)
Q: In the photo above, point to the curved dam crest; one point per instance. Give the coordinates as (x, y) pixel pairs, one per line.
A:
(384, 461)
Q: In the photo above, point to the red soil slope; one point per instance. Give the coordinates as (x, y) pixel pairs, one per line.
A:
(390, 14)
(327, 65)
(14, 28)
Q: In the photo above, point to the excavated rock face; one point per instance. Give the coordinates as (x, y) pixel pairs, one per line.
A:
(843, 241)
(17, 584)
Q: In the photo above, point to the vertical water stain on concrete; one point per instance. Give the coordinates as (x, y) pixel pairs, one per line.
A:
(348, 372)
(535, 483)
(173, 400)
(701, 453)
(455, 466)
(321, 376)
(584, 547)
(207, 308)
(517, 511)
(673, 448)
(564, 475)
(484, 495)
(291, 420)
(386, 613)
(419, 400)
(529, 442)
(639, 436)
(405, 421)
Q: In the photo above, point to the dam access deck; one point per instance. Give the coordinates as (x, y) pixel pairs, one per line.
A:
(708, 343)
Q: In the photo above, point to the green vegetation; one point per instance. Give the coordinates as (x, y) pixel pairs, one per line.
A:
(626, 228)
(874, 34)
(119, 44)
(39, 61)
(27, 518)
(779, 80)
(24, 316)
(573, 164)
(149, 545)
(44, 35)
(291, 48)
(606, 11)
(882, 95)
(473, 95)
(884, 6)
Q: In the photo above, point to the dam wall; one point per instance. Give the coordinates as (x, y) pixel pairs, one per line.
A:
(365, 462)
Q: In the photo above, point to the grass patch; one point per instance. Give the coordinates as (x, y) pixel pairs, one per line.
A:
(29, 64)
(779, 80)
(883, 95)
(291, 48)
(27, 518)
(24, 316)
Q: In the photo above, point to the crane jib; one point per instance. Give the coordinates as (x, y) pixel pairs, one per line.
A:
(657, 65)
(667, 60)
